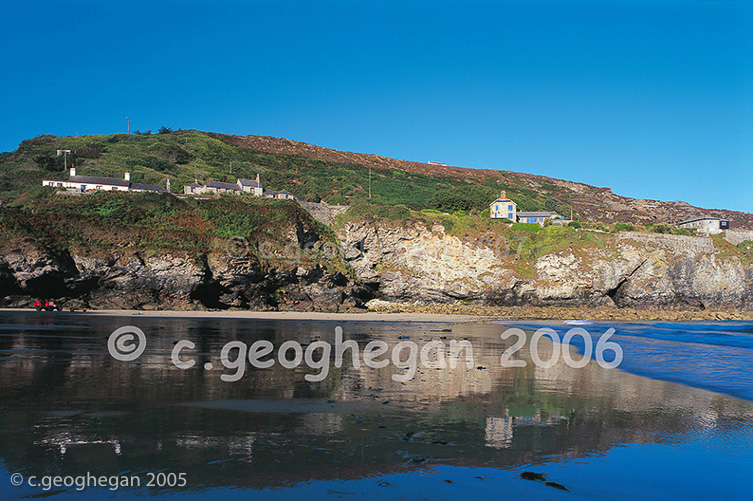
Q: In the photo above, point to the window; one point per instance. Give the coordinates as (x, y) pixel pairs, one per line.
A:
(509, 215)
(509, 207)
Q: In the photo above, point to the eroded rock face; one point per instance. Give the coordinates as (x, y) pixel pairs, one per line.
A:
(170, 282)
(637, 269)
(401, 264)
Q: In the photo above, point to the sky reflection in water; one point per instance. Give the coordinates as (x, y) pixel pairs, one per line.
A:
(68, 408)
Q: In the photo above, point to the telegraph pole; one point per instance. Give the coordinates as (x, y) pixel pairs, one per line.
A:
(65, 157)
(129, 124)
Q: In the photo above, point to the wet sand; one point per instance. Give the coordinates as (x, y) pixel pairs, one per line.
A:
(455, 313)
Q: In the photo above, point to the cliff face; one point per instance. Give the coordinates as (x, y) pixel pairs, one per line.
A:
(401, 264)
(168, 282)
(632, 269)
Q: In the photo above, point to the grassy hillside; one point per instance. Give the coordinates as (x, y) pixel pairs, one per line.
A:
(108, 224)
(316, 174)
(186, 155)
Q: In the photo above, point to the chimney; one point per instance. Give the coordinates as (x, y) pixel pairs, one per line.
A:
(257, 179)
(168, 183)
(503, 195)
(127, 176)
(73, 170)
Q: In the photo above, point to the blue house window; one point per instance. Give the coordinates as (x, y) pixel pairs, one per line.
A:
(509, 216)
(509, 207)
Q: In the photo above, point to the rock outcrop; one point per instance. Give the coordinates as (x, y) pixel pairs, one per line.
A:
(638, 270)
(412, 264)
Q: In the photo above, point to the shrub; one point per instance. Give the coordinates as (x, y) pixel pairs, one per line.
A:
(661, 228)
(574, 224)
(624, 227)
(462, 198)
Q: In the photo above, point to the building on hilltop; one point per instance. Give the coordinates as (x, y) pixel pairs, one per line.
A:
(705, 225)
(503, 208)
(255, 188)
(96, 183)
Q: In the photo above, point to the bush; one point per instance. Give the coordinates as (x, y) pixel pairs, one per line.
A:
(465, 199)
(661, 228)
(624, 227)
(587, 225)
(574, 224)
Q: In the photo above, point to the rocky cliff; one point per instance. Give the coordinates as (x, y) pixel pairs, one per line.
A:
(637, 270)
(411, 263)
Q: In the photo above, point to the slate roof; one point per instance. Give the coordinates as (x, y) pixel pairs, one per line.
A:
(249, 182)
(112, 181)
(537, 214)
(502, 200)
(701, 218)
(148, 187)
(223, 186)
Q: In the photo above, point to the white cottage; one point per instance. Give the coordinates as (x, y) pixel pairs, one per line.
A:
(503, 208)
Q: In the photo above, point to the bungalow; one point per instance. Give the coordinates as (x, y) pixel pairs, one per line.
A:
(705, 225)
(284, 194)
(250, 186)
(216, 187)
(503, 208)
(537, 217)
(192, 189)
(95, 183)
(241, 186)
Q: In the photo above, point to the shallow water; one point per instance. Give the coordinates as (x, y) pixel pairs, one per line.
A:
(68, 408)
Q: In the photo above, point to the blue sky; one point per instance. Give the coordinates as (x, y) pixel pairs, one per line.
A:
(652, 98)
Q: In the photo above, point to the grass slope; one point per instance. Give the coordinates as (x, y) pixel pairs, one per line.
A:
(186, 155)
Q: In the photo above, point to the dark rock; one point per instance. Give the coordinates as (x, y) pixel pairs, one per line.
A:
(557, 486)
(530, 475)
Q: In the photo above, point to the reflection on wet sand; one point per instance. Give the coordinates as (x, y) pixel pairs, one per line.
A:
(67, 404)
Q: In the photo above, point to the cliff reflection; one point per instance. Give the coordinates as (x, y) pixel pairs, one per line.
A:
(68, 406)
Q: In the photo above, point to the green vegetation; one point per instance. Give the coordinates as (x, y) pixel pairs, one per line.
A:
(186, 155)
(743, 251)
(661, 228)
(518, 244)
(623, 227)
(104, 223)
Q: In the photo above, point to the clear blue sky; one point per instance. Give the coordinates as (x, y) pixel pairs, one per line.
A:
(652, 98)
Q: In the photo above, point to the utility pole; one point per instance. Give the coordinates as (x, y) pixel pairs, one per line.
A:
(65, 157)
(129, 124)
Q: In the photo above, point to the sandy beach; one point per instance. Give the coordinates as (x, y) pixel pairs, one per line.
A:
(369, 316)
(455, 313)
